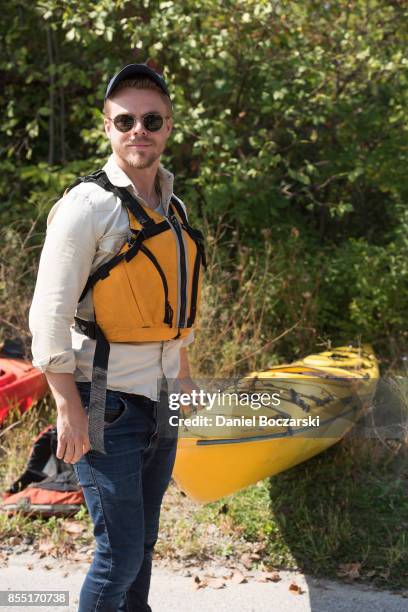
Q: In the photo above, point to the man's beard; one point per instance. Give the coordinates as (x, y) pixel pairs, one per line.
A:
(135, 160)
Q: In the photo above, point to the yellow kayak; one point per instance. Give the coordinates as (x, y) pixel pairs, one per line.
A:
(309, 405)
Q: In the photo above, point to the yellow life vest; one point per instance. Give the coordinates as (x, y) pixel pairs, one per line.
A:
(149, 291)
(154, 295)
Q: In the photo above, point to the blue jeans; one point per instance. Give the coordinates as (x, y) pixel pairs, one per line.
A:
(123, 491)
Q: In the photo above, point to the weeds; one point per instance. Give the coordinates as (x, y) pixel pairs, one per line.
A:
(345, 506)
(17, 436)
(18, 270)
(236, 332)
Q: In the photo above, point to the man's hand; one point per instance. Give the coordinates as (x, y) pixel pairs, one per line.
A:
(72, 428)
(72, 420)
(187, 384)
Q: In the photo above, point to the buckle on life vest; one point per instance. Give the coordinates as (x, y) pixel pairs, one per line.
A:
(85, 327)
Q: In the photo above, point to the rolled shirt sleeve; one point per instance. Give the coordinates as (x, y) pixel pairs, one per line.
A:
(65, 263)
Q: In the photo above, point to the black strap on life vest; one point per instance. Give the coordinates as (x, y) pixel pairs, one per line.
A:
(97, 399)
(200, 257)
(168, 311)
(100, 178)
(194, 234)
(104, 270)
(194, 290)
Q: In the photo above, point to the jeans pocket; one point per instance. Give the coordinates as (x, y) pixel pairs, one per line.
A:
(113, 411)
(115, 407)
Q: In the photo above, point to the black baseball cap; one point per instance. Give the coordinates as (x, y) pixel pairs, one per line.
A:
(134, 70)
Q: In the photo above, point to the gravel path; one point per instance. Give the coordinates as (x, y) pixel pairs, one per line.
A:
(174, 592)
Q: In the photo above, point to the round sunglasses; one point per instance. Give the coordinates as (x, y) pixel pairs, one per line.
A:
(125, 122)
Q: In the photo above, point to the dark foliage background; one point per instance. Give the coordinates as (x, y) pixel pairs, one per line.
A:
(290, 150)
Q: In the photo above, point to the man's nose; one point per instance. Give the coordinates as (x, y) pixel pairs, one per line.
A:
(138, 127)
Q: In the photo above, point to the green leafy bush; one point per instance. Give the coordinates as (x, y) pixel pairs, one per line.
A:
(290, 132)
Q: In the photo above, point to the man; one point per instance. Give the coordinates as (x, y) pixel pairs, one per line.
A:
(120, 257)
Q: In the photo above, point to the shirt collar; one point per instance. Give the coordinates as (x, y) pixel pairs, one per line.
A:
(119, 178)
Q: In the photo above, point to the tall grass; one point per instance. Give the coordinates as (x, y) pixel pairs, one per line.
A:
(17, 436)
(20, 249)
(240, 328)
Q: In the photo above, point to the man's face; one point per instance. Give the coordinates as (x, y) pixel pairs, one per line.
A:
(137, 148)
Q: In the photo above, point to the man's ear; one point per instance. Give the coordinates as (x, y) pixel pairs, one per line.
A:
(106, 123)
(107, 126)
(169, 125)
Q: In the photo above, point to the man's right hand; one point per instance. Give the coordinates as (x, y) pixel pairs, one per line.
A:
(72, 428)
(72, 420)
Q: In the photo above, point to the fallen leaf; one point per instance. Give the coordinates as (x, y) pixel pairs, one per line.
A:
(197, 584)
(14, 540)
(295, 589)
(45, 547)
(246, 561)
(349, 570)
(237, 577)
(269, 577)
(73, 527)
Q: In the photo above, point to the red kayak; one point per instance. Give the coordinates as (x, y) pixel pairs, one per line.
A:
(20, 385)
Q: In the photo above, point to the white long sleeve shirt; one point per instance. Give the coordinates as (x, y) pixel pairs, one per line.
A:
(86, 228)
